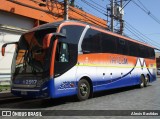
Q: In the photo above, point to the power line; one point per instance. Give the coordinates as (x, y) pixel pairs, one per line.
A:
(98, 4)
(148, 12)
(134, 33)
(95, 8)
(125, 5)
(90, 4)
(140, 38)
(140, 35)
(142, 5)
(86, 8)
(89, 18)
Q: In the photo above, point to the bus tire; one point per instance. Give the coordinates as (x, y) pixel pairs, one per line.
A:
(142, 80)
(146, 81)
(83, 90)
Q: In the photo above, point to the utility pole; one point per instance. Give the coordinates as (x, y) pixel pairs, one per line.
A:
(121, 19)
(66, 9)
(112, 15)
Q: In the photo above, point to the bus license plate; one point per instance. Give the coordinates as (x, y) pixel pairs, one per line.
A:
(23, 92)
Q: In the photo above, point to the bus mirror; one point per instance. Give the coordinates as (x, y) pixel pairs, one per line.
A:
(46, 41)
(3, 50)
(60, 34)
(4, 46)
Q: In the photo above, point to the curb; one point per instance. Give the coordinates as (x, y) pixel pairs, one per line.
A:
(6, 94)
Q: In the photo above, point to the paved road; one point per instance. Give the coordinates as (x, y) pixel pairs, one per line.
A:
(131, 98)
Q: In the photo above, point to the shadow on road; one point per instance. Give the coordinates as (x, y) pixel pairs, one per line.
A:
(44, 103)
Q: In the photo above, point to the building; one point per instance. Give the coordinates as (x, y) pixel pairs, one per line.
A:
(17, 17)
(158, 59)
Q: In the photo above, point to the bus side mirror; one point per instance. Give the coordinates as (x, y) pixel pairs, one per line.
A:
(4, 46)
(3, 49)
(46, 40)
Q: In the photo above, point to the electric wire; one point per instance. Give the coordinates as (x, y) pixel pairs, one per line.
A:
(148, 12)
(125, 5)
(137, 33)
(84, 7)
(93, 5)
(89, 18)
(95, 8)
(98, 4)
(141, 36)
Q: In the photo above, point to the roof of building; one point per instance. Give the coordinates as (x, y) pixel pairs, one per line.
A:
(31, 9)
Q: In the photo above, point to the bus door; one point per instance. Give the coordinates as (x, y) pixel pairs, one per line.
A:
(65, 68)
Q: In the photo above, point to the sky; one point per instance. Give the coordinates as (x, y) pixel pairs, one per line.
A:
(135, 16)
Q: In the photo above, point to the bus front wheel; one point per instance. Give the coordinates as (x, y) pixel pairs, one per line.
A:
(83, 90)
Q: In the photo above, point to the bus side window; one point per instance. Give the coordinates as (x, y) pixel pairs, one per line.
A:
(91, 41)
(62, 53)
(108, 43)
(133, 49)
(143, 51)
(122, 47)
(152, 53)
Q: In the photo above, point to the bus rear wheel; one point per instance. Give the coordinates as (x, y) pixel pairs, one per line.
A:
(142, 81)
(146, 81)
(83, 90)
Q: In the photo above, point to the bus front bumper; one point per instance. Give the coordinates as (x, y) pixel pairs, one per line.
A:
(45, 91)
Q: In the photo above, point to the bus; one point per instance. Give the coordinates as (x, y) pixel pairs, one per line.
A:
(74, 58)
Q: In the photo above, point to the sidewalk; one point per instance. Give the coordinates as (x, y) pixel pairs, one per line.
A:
(5, 86)
(5, 94)
(5, 79)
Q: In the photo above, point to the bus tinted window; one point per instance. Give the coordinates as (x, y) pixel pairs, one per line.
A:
(143, 52)
(133, 48)
(122, 47)
(108, 43)
(62, 53)
(91, 41)
(73, 33)
(147, 54)
(151, 53)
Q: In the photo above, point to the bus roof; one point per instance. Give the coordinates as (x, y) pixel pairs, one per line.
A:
(56, 24)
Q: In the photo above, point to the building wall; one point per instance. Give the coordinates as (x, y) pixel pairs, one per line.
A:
(15, 19)
(30, 9)
(11, 27)
(158, 59)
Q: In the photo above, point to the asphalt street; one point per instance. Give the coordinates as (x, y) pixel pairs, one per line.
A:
(130, 98)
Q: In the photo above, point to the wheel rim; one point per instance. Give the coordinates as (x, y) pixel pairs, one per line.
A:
(147, 79)
(83, 89)
(142, 82)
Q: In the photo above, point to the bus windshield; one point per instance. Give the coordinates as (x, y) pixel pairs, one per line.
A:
(30, 56)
